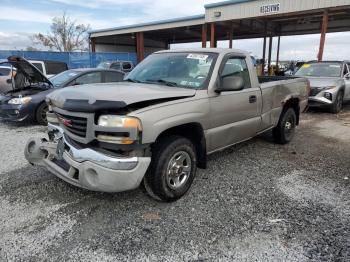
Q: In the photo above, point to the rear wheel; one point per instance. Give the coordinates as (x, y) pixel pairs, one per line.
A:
(284, 132)
(40, 116)
(338, 103)
(172, 169)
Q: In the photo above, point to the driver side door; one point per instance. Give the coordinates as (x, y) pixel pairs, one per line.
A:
(234, 115)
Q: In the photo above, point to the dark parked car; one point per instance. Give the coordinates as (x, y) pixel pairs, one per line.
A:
(27, 99)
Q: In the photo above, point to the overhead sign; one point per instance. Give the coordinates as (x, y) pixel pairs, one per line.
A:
(268, 9)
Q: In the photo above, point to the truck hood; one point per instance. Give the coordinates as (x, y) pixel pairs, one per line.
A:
(29, 71)
(112, 96)
(316, 82)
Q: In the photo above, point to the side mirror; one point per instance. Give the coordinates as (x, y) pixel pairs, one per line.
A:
(231, 83)
(347, 76)
(9, 81)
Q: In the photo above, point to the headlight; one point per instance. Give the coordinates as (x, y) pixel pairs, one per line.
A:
(120, 122)
(20, 101)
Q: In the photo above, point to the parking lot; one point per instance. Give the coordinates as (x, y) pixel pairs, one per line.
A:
(256, 201)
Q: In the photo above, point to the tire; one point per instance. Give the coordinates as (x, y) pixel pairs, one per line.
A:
(172, 169)
(40, 115)
(338, 103)
(284, 132)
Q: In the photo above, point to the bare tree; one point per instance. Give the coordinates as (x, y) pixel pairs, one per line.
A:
(65, 35)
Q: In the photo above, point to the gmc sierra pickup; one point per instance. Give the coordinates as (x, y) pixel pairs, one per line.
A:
(158, 126)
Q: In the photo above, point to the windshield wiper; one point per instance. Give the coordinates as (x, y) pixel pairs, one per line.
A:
(132, 80)
(162, 81)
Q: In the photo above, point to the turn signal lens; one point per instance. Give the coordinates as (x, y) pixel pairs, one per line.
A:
(115, 139)
(132, 123)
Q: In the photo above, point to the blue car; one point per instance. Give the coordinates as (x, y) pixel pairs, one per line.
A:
(26, 99)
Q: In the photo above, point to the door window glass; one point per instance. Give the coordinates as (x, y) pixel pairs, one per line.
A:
(237, 67)
(115, 66)
(113, 77)
(347, 69)
(89, 78)
(38, 66)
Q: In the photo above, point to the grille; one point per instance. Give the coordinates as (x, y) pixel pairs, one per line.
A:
(73, 124)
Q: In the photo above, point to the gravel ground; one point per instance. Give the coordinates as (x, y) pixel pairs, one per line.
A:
(256, 202)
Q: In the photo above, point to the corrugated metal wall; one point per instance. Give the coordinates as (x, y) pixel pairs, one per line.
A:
(252, 9)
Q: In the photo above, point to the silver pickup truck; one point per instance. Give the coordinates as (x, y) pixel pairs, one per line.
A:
(158, 126)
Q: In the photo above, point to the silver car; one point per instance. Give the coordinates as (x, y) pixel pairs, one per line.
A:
(330, 83)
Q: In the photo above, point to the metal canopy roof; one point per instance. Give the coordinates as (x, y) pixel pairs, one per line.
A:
(223, 3)
(243, 18)
(155, 25)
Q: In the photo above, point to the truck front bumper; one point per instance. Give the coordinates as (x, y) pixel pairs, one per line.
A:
(87, 168)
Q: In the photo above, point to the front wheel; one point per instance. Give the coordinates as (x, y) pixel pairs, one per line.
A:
(338, 103)
(284, 132)
(40, 116)
(172, 169)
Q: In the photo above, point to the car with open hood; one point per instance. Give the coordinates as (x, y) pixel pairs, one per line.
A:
(159, 125)
(330, 83)
(29, 88)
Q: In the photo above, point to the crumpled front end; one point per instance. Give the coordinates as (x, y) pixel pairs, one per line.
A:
(323, 96)
(83, 166)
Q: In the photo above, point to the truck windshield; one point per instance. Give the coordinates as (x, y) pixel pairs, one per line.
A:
(188, 70)
(320, 70)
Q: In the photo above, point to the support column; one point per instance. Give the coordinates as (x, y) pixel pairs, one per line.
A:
(323, 35)
(204, 36)
(230, 39)
(93, 45)
(140, 46)
(270, 54)
(264, 50)
(213, 43)
(278, 50)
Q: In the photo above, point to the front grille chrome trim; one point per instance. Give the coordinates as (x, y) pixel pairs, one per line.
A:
(91, 128)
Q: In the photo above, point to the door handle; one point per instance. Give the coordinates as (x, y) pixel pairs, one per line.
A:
(252, 99)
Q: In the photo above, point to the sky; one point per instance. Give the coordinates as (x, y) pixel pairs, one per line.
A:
(22, 18)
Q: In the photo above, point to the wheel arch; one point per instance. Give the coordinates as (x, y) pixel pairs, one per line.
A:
(293, 103)
(195, 133)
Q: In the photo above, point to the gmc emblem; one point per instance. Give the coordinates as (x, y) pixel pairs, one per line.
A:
(65, 122)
